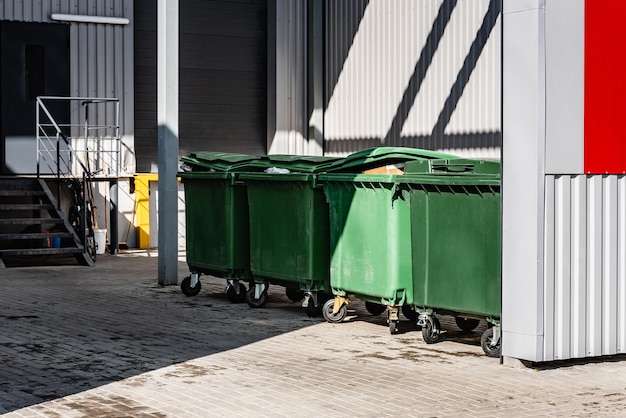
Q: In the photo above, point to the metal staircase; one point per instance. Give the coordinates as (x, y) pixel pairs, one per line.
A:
(71, 157)
(31, 223)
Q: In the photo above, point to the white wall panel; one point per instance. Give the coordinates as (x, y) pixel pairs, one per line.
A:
(584, 295)
(413, 73)
(291, 122)
(565, 76)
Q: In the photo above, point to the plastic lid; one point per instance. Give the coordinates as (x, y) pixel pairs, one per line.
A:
(379, 156)
(453, 166)
(231, 162)
(302, 163)
(223, 161)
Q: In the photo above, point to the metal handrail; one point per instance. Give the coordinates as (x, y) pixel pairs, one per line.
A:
(60, 152)
(103, 150)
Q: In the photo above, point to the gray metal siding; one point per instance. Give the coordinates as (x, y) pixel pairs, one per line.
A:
(421, 74)
(585, 266)
(223, 76)
(565, 73)
(290, 81)
(100, 65)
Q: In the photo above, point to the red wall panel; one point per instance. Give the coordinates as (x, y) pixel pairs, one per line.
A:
(605, 86)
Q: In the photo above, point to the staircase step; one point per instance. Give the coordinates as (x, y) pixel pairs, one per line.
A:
(35, 235)
(26, 206)
(19, 183)
(31, 221)
(42, 251)
(20, 193)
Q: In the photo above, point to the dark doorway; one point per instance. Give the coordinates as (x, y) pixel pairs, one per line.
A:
(34, 61)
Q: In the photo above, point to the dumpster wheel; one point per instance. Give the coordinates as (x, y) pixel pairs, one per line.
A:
(187, 289)
(254, 302)
(294, 295)
(431, 331)
(375, 308)
(313, 311)
(233, 296)
(486, 344)
(328, 309)
(409, 312)
(466, 324)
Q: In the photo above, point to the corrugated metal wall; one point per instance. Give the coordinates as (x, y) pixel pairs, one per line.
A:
(413, 73)
(585, 266)
(290, 81)
(101, 55)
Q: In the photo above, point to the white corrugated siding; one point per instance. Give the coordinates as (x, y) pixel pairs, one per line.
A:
(413, 73)
(101, 56)
(291, 80)
(585, 266)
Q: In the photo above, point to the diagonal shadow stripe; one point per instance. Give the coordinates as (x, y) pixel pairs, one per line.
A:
(343, 20)
(469, 64)
(421, 68)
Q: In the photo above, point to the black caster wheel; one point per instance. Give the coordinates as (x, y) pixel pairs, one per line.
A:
(294, 295)
(485, 343)
(313, 311)
(186, 288)
(393, 326)
(375, 308)
(252, 301)
(233, 296)
(327, 311)
(466, 324)
(431, 332)
(409, 313)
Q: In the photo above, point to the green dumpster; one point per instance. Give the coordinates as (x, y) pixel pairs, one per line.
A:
(289, 230)
(370, 238)
(216, 216)
(455, 245)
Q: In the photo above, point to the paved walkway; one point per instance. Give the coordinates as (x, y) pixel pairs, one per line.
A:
(107, 341)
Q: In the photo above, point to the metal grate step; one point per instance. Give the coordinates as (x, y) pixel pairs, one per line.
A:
(36, 235)
(42, 251)
(31, 221)
(26, 206)
(20, 193)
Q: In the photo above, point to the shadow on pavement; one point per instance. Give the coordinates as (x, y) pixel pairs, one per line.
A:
(68, 328)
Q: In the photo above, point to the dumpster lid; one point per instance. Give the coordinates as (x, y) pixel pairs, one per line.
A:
(231, 162)
(222, 161)
(382, 156)
(453, 166)
(301, 163)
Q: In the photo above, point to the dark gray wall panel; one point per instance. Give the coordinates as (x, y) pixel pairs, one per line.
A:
(223, 78)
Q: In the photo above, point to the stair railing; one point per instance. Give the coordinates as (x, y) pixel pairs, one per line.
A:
(78, 150)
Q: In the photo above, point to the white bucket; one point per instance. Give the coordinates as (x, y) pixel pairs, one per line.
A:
(100, 236)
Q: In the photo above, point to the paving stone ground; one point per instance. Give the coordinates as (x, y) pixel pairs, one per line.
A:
(107, 341)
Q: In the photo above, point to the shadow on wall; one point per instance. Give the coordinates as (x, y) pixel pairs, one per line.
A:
(481, 139)
(464, 143)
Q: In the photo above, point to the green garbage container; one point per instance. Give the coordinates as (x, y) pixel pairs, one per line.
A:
(289, 230)
(370, 241)
(455, 245)
(216, 216)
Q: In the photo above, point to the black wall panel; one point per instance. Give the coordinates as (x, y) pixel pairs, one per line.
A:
(223, 78)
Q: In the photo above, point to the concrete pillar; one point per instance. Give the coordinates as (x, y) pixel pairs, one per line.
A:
(167, 116)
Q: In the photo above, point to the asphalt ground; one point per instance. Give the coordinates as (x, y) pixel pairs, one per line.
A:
(108, 341)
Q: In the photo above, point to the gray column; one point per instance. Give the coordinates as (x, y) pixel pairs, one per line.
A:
(315, 26)
(167, 116)
(523, 156)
